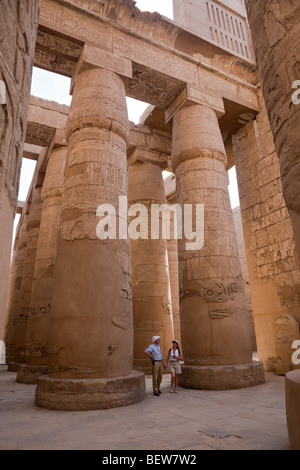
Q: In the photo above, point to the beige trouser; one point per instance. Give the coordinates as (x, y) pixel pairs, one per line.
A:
(156, 376)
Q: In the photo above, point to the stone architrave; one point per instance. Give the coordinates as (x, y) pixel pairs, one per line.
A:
(40, 302)
(90, 343)
(13, 306)
(215, 328)
(151, 296)
(33, 227)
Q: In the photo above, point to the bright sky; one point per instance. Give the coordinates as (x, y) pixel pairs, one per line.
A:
(55, 87)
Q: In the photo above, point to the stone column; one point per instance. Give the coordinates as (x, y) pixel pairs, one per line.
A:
(272, 262)
(215, 328)
(33, 226)
(90, 344)
(275, 32)
(41, 295)
(15, 289)
(172, 249)
(151, 296)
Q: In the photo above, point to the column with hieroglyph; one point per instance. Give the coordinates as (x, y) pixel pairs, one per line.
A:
(151, 294)
(90, 343)
(215, 329)
(41, 294)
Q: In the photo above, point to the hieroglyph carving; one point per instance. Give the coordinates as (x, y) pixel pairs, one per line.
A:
(18, 25)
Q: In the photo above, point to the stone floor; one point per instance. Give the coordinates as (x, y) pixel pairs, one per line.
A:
(245, 419)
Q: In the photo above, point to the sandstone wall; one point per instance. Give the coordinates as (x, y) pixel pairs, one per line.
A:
(271, 254)
(18, 26)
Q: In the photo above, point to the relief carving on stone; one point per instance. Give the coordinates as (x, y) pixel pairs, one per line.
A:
(56, 54)
(152, 87)
(39, 134)
(221, 292)
(17, 45)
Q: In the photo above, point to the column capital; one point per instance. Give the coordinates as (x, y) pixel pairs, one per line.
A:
(194, 95)
(143, 155)
(94, 57)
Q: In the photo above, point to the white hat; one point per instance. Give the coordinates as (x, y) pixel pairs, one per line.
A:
(155, 338)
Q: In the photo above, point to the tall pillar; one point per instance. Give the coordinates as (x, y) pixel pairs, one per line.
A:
(172, 249)
(41, 294)
(151, 296)
(15, 289)
(33, 226)
(274, 273)
(215, 328)
(275, 29)
(90, 343)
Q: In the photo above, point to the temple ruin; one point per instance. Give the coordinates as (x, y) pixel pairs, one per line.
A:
(77, 311)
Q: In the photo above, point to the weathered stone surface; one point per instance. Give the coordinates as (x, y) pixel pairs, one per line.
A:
(292, 392)
(41, 292)
(18, 26)
(273, 267)
(16, 284)
(90, 394)
(92, 274)
(151, 299)
(212, 299)
(96, 172)
(222, 377)
(33, 227)
(286, 331)
(237, 218)
(275, 32)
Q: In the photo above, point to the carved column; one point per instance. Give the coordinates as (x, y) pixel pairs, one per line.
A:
(18, 26)
(274, 273)
(151, 296)
(215, 328)
(15, 288)
(90, 344)
(33, 226)
(41, 295)
(172, 247)
(174, 287)
(275, 31)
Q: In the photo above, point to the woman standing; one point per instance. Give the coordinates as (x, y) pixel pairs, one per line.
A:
(173, 358)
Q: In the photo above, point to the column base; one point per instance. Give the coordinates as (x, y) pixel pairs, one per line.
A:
(12, 366)
(90, 394)
(229, 377)
(28, 374)
(292, 404)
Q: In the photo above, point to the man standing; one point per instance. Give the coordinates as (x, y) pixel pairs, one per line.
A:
(154, 353)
